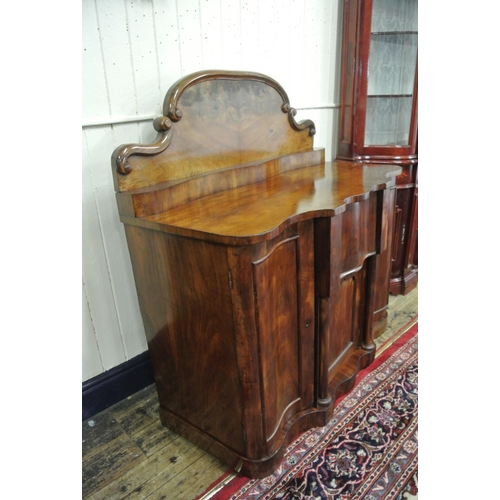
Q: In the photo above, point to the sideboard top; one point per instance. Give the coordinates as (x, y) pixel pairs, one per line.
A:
(258, 211)
(213, 120)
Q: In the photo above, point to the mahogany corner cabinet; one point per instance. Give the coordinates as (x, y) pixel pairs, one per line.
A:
(257, 265)
(379, 112)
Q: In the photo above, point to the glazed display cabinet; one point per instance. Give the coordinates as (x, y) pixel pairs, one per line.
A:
(379, 109)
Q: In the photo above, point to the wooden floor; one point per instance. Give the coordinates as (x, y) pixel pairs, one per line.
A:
(128, 454)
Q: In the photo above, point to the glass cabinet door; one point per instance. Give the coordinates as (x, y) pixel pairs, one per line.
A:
(378, 120)
(392, 66)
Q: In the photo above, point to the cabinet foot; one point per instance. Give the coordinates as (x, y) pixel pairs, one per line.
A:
(404, 285)
(252, 468)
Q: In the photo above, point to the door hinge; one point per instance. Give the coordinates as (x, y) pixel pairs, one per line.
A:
(230, 280)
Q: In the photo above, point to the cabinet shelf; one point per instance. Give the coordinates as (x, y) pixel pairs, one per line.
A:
(382, 33)
(376, 96)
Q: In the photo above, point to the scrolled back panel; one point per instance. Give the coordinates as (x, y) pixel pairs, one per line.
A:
(217, 121)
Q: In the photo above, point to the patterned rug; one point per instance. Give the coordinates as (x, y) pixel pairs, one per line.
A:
(367, 451)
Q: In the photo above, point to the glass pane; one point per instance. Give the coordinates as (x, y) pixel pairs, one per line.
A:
(391, 72)
(394, 15)
(391, 66)
(388, 120)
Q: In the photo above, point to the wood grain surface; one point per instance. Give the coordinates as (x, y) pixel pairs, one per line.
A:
(276, 202)
(214, 122)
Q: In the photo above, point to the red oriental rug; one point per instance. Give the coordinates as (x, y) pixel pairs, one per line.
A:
(367, 451)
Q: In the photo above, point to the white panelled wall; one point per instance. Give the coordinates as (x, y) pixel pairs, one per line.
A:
(133, 51)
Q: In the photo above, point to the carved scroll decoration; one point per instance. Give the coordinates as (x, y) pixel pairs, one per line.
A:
(163, 125)
(286, 108)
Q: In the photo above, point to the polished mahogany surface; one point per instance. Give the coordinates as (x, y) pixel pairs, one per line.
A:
(257, 265)
(276, 202)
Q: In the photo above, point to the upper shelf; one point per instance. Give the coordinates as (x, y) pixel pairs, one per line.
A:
(376, 96)
(394, 33)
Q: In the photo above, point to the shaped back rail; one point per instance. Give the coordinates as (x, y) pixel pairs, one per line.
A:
(213, 120)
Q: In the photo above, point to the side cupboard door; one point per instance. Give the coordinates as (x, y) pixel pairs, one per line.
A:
(280, 275)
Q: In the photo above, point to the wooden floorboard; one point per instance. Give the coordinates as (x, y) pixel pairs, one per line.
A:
(129, 455)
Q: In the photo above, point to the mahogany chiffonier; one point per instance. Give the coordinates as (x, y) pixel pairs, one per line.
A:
(255, 263)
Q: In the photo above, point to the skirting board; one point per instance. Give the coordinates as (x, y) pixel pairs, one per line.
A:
(116, 384)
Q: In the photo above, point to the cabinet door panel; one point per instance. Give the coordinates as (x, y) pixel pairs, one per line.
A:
(400, 243)
(348, 317)
(344, 320)
(358, 235)
(275, 286)
(412, 261)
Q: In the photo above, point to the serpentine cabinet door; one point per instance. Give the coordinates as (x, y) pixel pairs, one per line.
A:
(346, 273)
(273, 300)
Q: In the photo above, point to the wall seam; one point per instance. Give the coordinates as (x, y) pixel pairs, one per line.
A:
(102, 58)
(179, 43)
(122, 340)
(131, 57)
(93, 325)
(157, 51)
